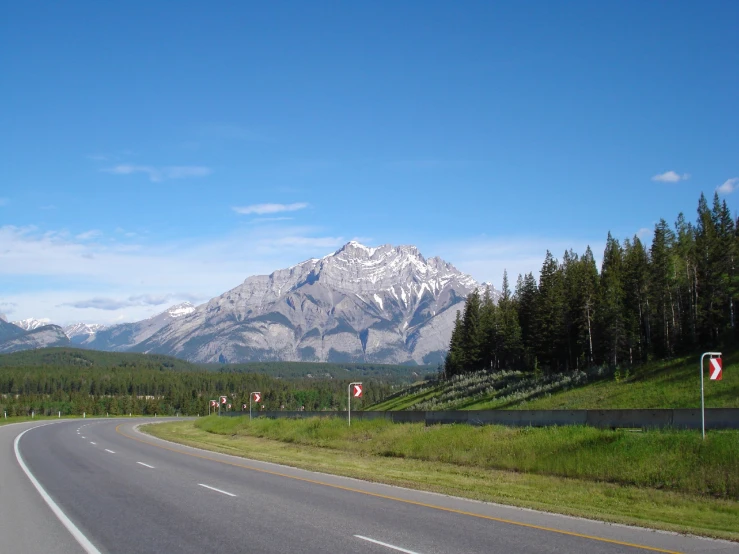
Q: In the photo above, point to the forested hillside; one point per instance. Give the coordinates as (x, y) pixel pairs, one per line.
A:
(74, 381)
(648, 301)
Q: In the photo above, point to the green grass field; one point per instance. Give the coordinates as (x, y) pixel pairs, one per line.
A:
(664, 384)
(662, 479)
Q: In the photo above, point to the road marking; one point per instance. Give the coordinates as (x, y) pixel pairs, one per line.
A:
(386, 545)
(403, 500)
(92, 442)
(61, 516)
(109, 451)
(215, 489)
(84, 437)
(145, 465)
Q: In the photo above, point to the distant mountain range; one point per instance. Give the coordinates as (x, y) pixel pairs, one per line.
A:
(384, 305)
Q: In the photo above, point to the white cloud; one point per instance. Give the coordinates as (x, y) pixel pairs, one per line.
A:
(729, 186)
(261, 209)
(157, 174)
(671, 177)
(94, 276)
(89, 235)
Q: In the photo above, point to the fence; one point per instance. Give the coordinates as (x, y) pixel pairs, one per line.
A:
(683, 418)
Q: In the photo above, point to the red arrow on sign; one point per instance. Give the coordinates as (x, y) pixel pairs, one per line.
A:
(716, 369)
(358, 391)
(257, 396)
(224, 399)
(243, 406)
(213, 403)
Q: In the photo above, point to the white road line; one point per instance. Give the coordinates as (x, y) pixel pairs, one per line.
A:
(217, 490)
(84, 437)
(145, 465)
(109, 451)
(61, 516)
(92, 442)
(386, 545)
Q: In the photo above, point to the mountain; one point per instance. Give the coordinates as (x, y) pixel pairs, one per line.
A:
(79, 333)
(126, 336)
(9, 331)
(384, 305)
(30, 324)
(40, 337)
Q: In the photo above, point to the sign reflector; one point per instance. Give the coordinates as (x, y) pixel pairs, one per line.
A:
(213, 403)
(716, 369)
(257, 396)
(358, 390)
(224, 399)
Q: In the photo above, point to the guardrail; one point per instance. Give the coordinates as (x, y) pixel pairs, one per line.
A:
(682, 418)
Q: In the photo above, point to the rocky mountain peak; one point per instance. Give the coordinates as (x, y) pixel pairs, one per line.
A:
(31, 323)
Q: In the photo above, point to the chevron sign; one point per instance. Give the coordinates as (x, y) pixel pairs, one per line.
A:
(357, 390)
(716, 369)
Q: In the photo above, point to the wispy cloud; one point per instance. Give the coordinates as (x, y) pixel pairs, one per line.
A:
(112, 304)
(270, 219)
(671, 177)
(261, 209)
(157, 174)
(4, 201)
(729, 186)
(55, 275)
(89, 235)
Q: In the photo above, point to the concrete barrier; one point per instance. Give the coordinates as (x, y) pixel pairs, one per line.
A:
(686, 418)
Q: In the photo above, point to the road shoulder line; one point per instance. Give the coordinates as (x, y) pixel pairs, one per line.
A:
(79, 536)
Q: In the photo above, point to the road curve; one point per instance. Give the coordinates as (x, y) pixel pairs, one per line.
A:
(128, 492)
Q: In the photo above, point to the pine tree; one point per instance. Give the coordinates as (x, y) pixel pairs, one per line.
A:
(549, 315)
(453, 364)
(525, 297)
(510, 329)
(636, 280)
(472, 360)
(611, 310)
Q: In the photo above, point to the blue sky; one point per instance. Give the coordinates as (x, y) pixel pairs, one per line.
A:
(152, 153)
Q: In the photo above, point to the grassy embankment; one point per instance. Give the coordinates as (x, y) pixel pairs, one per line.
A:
(664, 384)
(661, 479)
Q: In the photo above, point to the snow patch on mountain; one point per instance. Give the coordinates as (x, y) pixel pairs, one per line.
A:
(31, 323)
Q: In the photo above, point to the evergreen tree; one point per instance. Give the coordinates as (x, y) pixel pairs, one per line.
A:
(472, 353)
(526, 293)
(611, 310)
(549, 315)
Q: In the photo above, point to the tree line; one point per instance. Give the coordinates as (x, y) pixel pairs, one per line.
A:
(72, 390)
(647, 301)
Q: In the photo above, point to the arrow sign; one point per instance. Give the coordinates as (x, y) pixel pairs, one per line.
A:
(224, 399)
(257, 396)
(716, 369)
(243, 406)
(357, 393)
(229, 406)
(213, 403)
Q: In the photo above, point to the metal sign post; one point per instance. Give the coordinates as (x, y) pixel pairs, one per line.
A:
(354, 389)
(703, 404)
(256, 396)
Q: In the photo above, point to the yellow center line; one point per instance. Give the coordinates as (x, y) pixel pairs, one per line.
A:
(396, 499)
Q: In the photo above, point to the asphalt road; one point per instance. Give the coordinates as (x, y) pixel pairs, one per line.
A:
(127, 492)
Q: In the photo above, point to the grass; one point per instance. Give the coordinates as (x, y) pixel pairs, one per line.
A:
(662, 479)
(664, 384)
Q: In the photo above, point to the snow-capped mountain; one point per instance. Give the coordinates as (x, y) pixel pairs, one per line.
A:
(31, 323)
(78, 333)
(14, 338)
(385, 304)
(126, 336)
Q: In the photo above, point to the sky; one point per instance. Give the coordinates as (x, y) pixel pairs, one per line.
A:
(154, 152)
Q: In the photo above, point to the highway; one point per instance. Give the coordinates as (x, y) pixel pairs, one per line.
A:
(117, 490)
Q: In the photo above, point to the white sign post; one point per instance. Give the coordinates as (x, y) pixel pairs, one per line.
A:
(256, 396)
(355, 390)
(713, 356)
